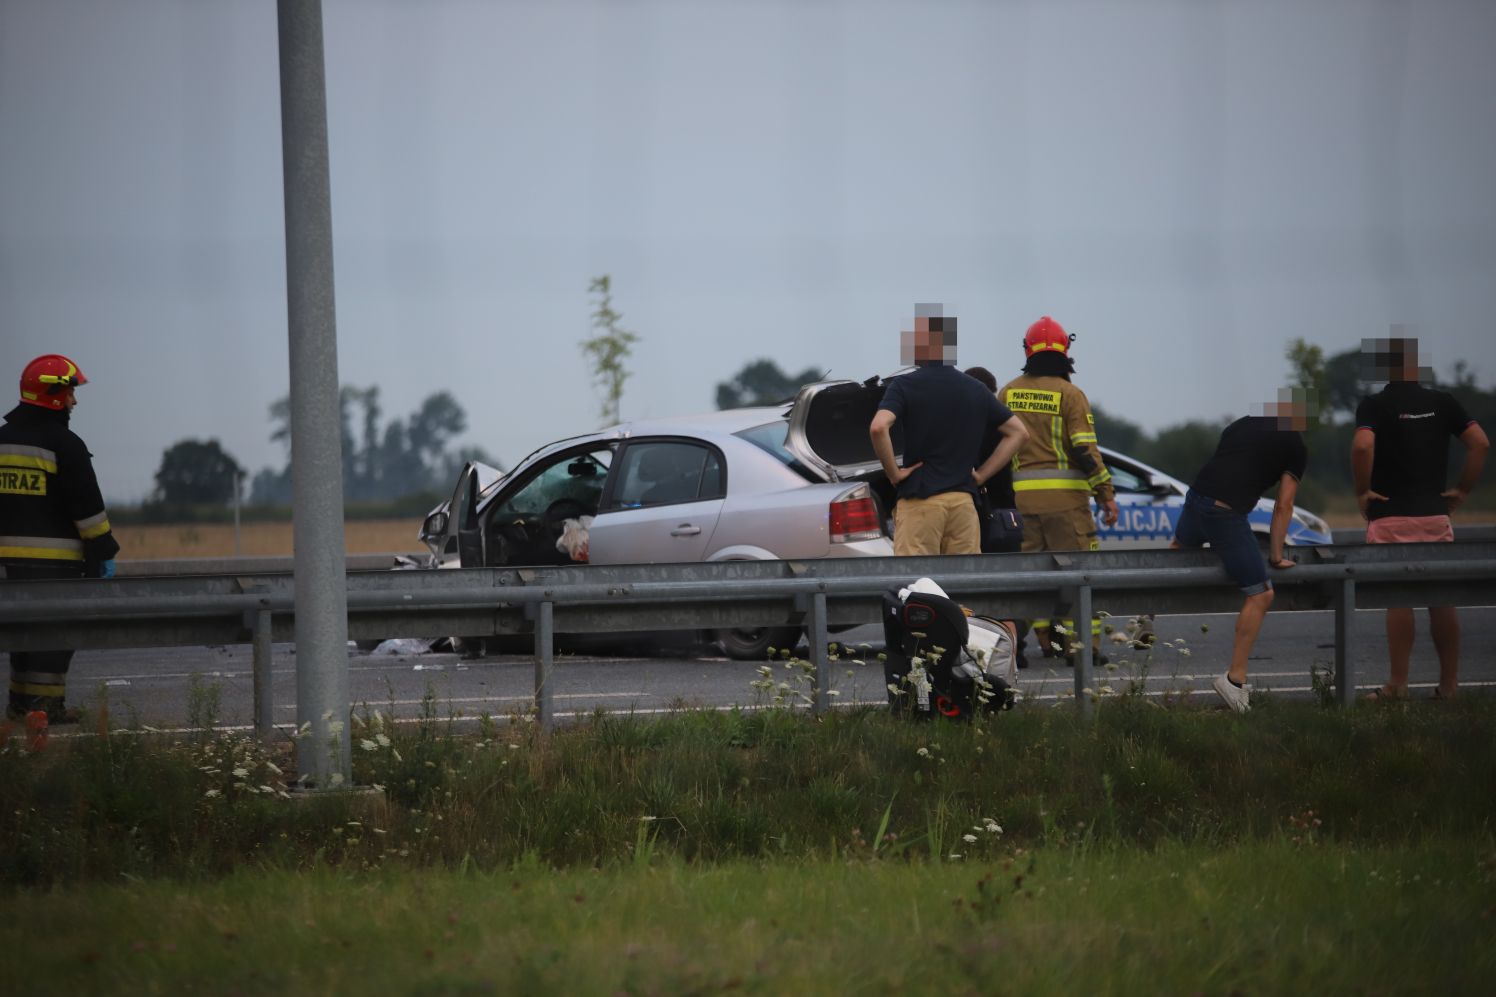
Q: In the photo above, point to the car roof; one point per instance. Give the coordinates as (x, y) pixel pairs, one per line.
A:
(723, 421)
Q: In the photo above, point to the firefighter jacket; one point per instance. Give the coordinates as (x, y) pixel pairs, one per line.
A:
(1059, 465)
(51, 511)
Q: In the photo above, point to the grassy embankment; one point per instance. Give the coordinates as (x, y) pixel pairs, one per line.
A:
(1156, 849)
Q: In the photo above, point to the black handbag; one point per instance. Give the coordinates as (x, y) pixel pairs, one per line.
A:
(1002, 528)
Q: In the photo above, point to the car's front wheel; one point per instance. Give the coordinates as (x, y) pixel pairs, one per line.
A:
(752, 644)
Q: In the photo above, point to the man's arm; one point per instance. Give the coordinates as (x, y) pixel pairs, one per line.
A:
(1014, 433)
(880, 430)
(1288, 487)
(1363, 455)
(1476, 447)
(83, 503)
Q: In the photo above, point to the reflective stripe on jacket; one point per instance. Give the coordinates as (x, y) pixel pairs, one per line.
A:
(1060, 454)
(50, 507)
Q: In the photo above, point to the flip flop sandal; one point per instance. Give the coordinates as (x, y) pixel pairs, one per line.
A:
(1382, 695)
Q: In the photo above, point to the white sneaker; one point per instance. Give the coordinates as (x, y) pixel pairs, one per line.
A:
(1234, 695)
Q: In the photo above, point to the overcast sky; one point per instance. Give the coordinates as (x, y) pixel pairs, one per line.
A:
(1185, 185)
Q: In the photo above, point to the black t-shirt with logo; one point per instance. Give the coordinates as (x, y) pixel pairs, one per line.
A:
(1252, 456)
(945, 414)
(1413, 425)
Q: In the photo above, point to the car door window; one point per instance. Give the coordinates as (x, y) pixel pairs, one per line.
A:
(1127, 482)
(571, 485)
(667, 472)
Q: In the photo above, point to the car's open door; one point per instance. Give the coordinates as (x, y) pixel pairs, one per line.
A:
(451, 529)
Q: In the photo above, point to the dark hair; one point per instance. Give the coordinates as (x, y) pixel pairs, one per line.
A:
(1048, 363)
(946, 326)
(984, 375)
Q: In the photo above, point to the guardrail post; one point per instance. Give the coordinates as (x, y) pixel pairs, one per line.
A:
(815, 633)
(545, 659)
(1345, 669)
(1085, 685)
(264, 678)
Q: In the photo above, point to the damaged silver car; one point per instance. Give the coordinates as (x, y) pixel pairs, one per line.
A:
(782, 482)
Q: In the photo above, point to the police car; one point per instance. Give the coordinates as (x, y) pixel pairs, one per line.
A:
(1149, 503)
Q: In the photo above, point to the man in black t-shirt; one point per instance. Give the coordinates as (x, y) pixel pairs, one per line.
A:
(946, 415)
(1254, 454)
(1399, 459)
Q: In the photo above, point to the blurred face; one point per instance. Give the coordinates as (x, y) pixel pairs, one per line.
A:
(921, 344)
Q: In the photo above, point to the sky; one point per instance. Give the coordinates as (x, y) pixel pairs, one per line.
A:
(1186, 186)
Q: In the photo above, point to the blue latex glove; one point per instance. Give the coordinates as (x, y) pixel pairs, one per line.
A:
(106, 568)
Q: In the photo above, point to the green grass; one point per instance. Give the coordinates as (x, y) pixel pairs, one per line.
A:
(1161, 849)
(1265, 917)
(752, 785)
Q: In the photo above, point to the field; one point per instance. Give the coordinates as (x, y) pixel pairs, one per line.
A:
(156, 542)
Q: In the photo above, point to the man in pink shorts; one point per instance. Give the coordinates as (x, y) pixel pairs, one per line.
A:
(1399, 459)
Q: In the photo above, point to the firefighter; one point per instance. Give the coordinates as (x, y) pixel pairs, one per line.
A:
(52, 518)
(1058, 469)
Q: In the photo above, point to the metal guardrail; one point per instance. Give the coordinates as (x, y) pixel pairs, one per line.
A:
(242, 565)
(816, 594)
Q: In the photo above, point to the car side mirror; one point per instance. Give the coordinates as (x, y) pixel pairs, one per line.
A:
(1160, 489)
(435, 525)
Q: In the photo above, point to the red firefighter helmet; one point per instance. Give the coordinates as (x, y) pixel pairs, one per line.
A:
(1046, 334)
(47, 380)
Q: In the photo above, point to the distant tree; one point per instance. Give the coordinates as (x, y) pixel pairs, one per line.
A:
(762, 382)
(457, 461)
(270, 487)
(1307, 370)
(1182, 449)
(196, 472)
(381, 461)
(608, 349)
(1118, 433)
(434, 424)
(1344, 388)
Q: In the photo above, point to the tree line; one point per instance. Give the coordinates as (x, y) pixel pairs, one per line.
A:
(401, 461)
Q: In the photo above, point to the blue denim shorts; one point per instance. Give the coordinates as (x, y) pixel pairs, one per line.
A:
(1229, 535)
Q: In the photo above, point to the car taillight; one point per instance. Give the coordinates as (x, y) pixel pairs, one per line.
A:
(854, 517)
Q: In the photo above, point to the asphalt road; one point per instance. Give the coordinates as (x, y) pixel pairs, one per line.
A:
(171, 688)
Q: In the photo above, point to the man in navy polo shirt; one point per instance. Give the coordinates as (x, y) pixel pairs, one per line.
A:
(945, 415)
(1399, 459)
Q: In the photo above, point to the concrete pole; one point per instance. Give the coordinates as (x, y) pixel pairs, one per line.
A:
(322, 697)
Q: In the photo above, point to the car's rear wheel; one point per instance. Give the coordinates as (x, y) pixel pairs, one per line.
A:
(752, 644)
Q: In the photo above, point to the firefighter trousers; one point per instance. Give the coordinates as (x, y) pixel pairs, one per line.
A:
(38, 679)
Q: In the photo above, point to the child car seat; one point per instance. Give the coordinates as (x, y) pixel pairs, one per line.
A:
(948, 681)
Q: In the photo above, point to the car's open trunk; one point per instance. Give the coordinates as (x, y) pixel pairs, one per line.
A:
(828, 431)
